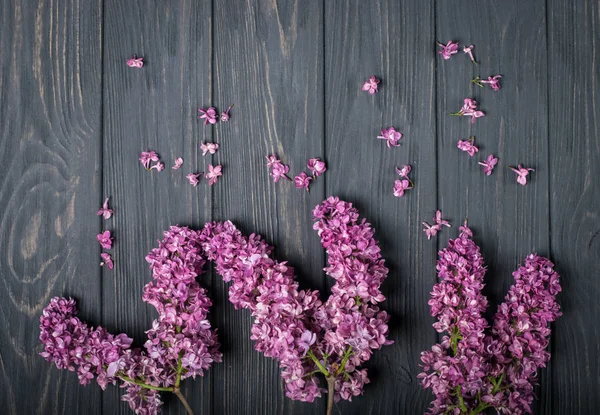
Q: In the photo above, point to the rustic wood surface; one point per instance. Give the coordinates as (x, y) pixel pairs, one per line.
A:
(74, 118)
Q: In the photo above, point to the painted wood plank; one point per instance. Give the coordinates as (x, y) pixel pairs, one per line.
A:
(574, 114)
(269, 63)
(391, 40)
(50, 141)
(509, 221)
(152, 108)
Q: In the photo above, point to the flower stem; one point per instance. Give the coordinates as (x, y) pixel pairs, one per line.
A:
(144, 385)
(179, 370)
(347, 355)
(318, 363)
(177, 392)
(330, 393)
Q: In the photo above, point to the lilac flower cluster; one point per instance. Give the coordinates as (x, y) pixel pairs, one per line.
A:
(309, 337)
(470, 371)
(180, 343)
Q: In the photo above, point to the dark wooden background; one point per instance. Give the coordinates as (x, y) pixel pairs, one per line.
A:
(74, 119)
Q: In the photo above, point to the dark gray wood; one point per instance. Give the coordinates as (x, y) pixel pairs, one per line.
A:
(392, 41)
(152, 108)
(573, 73)
(509, 221)
(269, 63)
(50, 135)
(74, 118)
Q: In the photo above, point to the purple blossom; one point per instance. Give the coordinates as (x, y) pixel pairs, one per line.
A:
(469, 108)
(371, 85)
(209, 115)
(158, 166)
(278, 169)
(403, 172)
(105, 211)
(469, 371)
(214, 173)
(522, 173)
(469, 51)
(209, 148)
(400, 186)
(439, 221)
(316, 166)
(302, 181)
(180, 343)
(493, 81)
(146, 157)
(225, 115)
(308, 337)
(135, 62)
(106, 260)
(178, 163)
(194, 178)
(105, 239)
(448, 50)
(489, 164)
(391, 136)
(431, 230)
(468, 146)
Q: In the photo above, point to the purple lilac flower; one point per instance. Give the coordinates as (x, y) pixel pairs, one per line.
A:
(469, 372)
(309, 337)
(180, 343)
(469, 108)
(468, 146)
(302, 181)
(448, 50)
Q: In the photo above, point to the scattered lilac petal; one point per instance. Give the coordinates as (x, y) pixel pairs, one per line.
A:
(105, 211)
(468, 146)
(178, 163)
(148, 156)
(403, 172)
(371, 86)
(448, 50)
(302, 181)
(209, 115)
(158, 166)
(194, 178)
(213, 173)
(225, 115)
(391, 136)
(106, 260)
(489, 164)
(105, 239)
(209, 148)
(135, 62)
(316, 166)
(469, 51)
(522, 173)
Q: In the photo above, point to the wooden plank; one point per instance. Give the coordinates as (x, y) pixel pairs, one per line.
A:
(509, 221)
(50, 140)
(574, 41)
(269, 63)
(152, 108)
(392, 41)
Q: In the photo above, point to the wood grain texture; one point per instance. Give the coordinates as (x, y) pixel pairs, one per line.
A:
(152, 108)
(269, 63)
(74, 118)
(361, 40)
(509, 221)
(574, 70)
(50, 135)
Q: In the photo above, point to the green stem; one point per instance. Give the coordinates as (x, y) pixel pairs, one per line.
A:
(144, 385)
(461, 401)
(347, 355)
(318, 363)
(179, 369)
